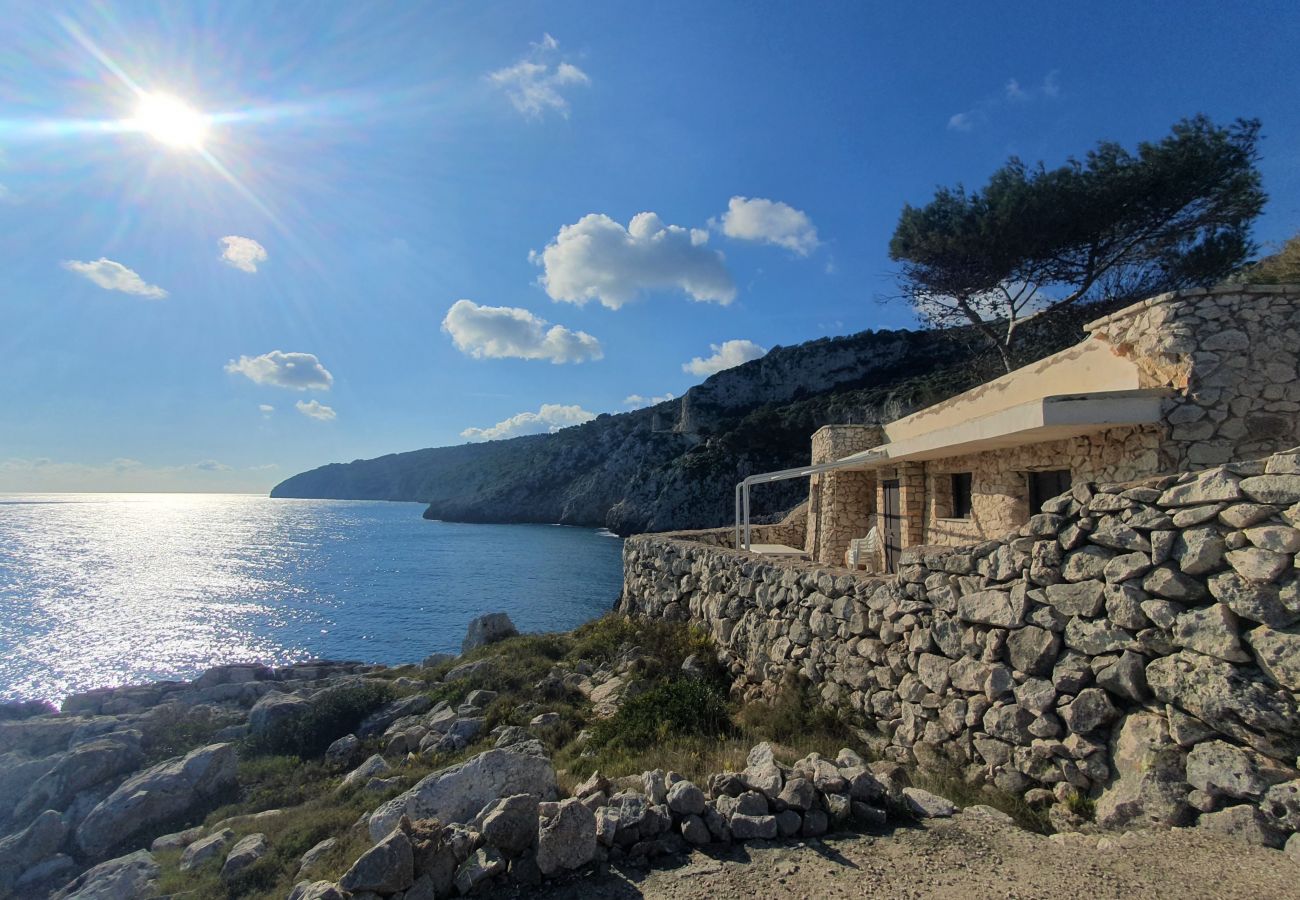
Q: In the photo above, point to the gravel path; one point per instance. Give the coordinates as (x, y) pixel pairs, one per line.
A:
(968, 856)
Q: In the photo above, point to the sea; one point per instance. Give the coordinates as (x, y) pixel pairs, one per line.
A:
(110, 589)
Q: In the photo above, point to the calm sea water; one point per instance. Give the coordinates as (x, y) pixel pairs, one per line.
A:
(104, 589)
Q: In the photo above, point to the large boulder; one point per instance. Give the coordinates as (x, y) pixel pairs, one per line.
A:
(567, 839)
(210, 847)
(130, 877)
(275, 711)
(1227, 699)
(1222, 770)
(457, 793)
(1147, 784)
(1244, 824)
(510, 824)
(19, 852)
(317, 890)
(85, 766)
(246, 851)
(152, 797)
(486, 630)
(386, 868)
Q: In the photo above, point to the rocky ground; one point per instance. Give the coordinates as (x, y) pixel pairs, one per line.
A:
(971, 855)
(481, 775)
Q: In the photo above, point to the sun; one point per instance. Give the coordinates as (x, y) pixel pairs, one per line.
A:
(170, 121)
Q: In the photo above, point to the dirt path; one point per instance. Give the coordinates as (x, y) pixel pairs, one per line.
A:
(964, 857)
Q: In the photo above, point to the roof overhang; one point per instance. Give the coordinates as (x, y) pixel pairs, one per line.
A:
(1031, 422)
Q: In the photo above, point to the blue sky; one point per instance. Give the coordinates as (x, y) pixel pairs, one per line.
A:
(372, 164)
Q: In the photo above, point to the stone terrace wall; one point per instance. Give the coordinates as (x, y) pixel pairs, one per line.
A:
(1233, 354)
(1135, 642)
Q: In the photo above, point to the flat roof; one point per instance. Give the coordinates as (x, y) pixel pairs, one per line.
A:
(1033, 421)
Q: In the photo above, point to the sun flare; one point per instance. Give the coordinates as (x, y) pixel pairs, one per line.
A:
(170, 121)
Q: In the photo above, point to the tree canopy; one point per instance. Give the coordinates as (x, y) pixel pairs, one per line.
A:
(1175, 214)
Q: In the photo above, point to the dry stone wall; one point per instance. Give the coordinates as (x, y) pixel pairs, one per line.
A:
(1137, 643)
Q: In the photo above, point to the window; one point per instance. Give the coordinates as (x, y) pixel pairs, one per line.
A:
(1043, 486)
(961, 491)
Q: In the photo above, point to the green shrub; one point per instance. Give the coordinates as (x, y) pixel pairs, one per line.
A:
(601, 640)
(794, 714)
(333, 713)
(680, 708)
(174, 731)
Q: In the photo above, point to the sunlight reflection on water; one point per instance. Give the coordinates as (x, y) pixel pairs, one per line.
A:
(102, 589)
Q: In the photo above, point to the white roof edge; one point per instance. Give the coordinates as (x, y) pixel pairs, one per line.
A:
(1048, 418)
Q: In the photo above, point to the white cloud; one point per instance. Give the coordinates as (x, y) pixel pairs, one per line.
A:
(596, 258)
(771, 222)
(962, 121)
(242, 253)
(550, 418)
(725, 356)
(1013, 92)
(299, 371)
(113, 276)
(265, 409)
(637, 401)
(314, 409)
(508, 332)
(211, 465)
(536, 83)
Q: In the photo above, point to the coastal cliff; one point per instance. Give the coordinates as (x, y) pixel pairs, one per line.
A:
(674, 466)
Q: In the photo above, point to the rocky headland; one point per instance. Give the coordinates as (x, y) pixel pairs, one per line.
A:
(675, 465)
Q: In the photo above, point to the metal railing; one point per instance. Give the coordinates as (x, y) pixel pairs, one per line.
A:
(742, 489)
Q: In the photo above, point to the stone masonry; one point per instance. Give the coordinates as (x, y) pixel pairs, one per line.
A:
(1231, 356)
(1135, 642)
(841, 504)
(1228, 357)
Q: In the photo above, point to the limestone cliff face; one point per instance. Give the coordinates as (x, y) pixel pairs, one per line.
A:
(674, 465)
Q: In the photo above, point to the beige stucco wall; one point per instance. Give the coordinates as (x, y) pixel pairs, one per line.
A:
(1090, 366)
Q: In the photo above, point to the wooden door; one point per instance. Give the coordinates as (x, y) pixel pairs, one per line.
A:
(892, 517)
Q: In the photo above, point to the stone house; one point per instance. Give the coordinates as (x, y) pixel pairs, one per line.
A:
(1178, 382)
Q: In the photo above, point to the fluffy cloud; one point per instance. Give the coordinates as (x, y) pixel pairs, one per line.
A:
(536, 83)
(242, 253)
(314, 409)
(299, 371)
(636, 401)
(771, 222)
(596, 258)
(725, 356)
(550, 418)
(265, 409)
(508, 332)
(113, 276)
